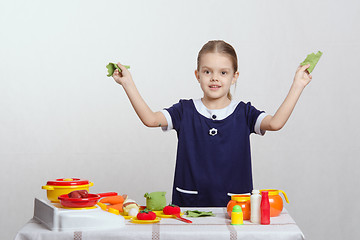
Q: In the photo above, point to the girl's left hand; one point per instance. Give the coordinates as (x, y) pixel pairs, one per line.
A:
(302, 76)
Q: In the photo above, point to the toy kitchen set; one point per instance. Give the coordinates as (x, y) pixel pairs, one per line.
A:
(62, 211)
(69, 207)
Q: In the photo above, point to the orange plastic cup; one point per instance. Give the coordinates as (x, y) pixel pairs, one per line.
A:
(243, 201)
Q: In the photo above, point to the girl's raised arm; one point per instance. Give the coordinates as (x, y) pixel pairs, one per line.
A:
(276, 122)
(146, 115)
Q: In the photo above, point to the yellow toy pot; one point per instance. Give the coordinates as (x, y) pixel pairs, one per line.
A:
(62, 186)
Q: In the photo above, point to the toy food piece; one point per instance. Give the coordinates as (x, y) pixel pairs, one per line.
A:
(171, 209)
(133, 212)
(155, 201)
(84, 193)
(74, 194)
(111, 68)
(114, 199)
(130, 207)
(146, 215)
(312, 59)
(118, 206)
(197, 213)
(114, 202)
(237, 216)
(265, 208)
(78, 194)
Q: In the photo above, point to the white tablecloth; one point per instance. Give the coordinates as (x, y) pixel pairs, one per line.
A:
(218, 227)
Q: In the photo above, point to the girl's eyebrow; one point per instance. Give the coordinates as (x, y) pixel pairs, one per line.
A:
(205, 67)
(221, 69)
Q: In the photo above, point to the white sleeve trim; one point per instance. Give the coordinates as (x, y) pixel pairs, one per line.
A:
(169, 121)
(258, 124)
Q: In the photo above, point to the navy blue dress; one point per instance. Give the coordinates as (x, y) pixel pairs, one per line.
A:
(213, 156)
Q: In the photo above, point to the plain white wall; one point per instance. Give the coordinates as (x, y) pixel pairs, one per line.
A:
(60, 116)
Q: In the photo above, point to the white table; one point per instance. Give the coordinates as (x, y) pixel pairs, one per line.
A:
(218, 227)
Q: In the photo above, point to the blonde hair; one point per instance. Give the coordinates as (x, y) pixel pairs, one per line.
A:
(219, 46)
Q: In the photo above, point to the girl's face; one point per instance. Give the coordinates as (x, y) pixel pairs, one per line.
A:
(216, 75)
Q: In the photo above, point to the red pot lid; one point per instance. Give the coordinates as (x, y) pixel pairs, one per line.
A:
(67, 182)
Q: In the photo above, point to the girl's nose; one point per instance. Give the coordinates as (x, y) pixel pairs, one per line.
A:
(214, 78)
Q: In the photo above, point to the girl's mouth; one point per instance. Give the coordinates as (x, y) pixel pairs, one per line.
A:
(215, 86)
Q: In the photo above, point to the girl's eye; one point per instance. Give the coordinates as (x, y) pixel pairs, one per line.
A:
(223, 73)
(206, 71)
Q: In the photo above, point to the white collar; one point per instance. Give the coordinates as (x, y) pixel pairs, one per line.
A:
(215, 114)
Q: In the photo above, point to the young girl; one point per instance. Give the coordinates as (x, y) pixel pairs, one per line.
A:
(213, 154)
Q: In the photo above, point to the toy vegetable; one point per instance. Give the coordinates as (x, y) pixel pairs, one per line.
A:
(146, 215)
(312, 59)
(111, 68)
(115, 202)
(78, 194)
(118, 207)
(114, 199)
(130, 207)
(155, 201)
(171, 209)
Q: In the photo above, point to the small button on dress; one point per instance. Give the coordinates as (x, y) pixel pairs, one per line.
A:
(213, 131)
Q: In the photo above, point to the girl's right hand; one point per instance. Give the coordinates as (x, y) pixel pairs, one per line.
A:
(122, 77)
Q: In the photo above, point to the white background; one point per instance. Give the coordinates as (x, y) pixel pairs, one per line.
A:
(60, 116)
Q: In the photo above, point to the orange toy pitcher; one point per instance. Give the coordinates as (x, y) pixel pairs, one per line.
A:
(243, 201)
(276, 202)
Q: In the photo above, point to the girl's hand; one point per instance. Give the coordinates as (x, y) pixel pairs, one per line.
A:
(302, 76)
(122, 77)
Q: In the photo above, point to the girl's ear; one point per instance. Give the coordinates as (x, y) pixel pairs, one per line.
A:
(235, 78)
(197, 75)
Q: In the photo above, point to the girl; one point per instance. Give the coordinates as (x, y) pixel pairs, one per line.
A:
(213, 154)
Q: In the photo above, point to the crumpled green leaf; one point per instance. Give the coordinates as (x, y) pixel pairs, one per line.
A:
(197, 213)
(312, 59)
(111, 68)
